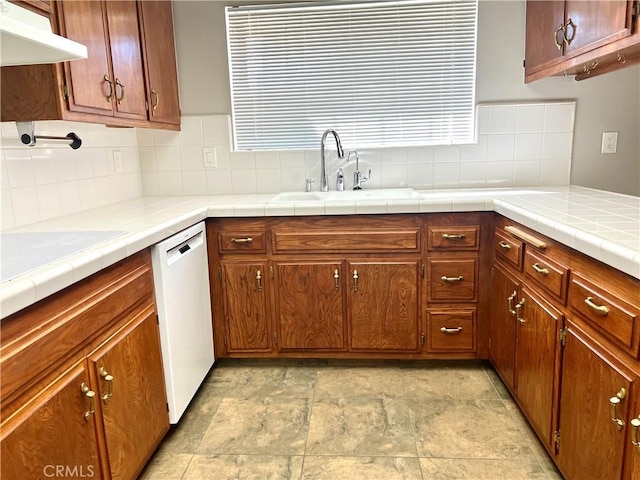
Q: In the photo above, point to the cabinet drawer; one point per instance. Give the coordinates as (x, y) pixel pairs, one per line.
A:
(606, 312)
(405, 240)
(452, 279)
(508, 249)
(547, 273)
(451, 331)
(234, 242)
(453, 238)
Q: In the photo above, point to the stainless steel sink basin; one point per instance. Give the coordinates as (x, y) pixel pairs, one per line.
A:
(381, 194)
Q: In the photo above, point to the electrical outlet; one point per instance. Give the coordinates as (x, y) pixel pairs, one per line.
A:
(209, 155)
(117, 161)
(609, 142)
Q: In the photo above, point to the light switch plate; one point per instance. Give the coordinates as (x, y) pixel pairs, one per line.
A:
(117, 161)
(209, 155)
(609, 142)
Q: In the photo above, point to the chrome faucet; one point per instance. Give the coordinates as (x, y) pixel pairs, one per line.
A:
(358, 179)
(324, 176)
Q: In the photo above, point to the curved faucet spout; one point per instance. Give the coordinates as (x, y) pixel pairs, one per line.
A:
(324, 176)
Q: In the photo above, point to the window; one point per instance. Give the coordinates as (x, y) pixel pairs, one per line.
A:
(385, 73)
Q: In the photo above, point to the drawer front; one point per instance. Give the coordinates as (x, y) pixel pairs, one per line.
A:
(451, 331)
(606, 312)
(508, 249)
(547, 273)
(453, 280)
(237, 242)
(453, 238)
(405, 240)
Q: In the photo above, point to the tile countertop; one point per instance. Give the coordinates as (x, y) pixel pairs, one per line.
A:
(603, 225)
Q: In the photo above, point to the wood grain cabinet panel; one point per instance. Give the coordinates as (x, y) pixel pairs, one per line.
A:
(383, 306)
(452, 279)
(547, 273)
(309, 306)
(508, 249)
(466, 237)
(451, 330)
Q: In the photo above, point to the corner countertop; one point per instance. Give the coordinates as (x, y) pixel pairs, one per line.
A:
(602, 225)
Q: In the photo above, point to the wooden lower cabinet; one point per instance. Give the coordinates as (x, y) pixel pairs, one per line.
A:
(309, 306)
(383, 305)
(245, 301)
(55, 432)
(591, 442)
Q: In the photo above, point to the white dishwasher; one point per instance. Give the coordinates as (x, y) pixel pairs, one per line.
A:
(181, 277)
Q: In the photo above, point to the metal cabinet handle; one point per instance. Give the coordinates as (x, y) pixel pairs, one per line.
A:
(615, 401)
(504, 245)
(519, 305)
(451, 330)
(454, 236)
(155, 99)
(108, 80)
(459, 278)
(573, 26)
(336, 278)
(510, 299)
(541, 270)
(242, 240)
(355, 280)
(259, 280)
(121, 97)
(635, 425)
(107, 377)
(555, 37)
(91, 395)
(599, 309)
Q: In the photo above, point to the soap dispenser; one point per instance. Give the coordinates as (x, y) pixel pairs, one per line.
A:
(340, 180)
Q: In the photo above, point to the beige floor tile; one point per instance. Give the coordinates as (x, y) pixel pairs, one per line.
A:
(272, 381)
(352, 382)
(466, 429)
(240, 467)
(497, 383)
(360, 468)
(165, 465)
(276, 426)
(360, 426)
(480, 469)
(458, 382)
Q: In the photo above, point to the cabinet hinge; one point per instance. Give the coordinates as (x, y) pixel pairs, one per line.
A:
(157, 319)
(220, 273)
(422, 270)
(146, 105)
(271, 271)
(275, 338)
(563, 336)
(64, 91)
(556, 439)
(422, 339)
(524, 62)
(167, 407)
(224, 338)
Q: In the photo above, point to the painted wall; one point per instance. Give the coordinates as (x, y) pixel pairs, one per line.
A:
(606, 103)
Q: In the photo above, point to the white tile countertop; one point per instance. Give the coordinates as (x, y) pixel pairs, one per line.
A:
(603, 225)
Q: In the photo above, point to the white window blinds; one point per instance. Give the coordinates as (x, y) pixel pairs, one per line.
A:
(386, 73)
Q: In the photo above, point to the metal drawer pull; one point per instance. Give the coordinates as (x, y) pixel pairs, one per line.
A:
(155, 99)
(614, 402)
(456, 236)
(451, 330)
(510, 299)
(355, 280)
(108, 80)
(459, 278)
(519, 305)
(109, 379)
(526, 237)
(504, 245)
(635, 424)
(259, 280)
(336, 278)
(541, 270)
(121, 97)
(91, 395)
(242, 240)
(573, 26)
(599, 309)
(555, 36)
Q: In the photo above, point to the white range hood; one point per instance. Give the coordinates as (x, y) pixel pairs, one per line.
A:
(26, 39)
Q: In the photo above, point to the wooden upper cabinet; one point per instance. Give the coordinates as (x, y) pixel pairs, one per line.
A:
(160, 61)
(590, 24)
(543, 39)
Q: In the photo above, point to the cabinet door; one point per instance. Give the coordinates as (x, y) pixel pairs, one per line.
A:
(537, 352)
(502, 328)
(53, 432)
(382, 303)
(245, 307)
(591, 445)
(127, 371)
(543, 20)
(309, 306)
(596, 23)
(126, 58)
(84, 22)
(160, 61)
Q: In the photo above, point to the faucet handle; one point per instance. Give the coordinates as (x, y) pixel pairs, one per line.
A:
(309, 181)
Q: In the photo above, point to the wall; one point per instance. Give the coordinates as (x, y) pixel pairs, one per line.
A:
(204, 86)
(49, 181)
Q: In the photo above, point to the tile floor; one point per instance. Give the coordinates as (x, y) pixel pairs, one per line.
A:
(350, 420)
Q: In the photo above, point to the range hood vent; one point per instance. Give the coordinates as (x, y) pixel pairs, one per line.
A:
(26, 39)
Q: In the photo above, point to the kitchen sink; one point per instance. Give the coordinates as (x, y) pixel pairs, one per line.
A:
(381, 194)
(298, 197)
